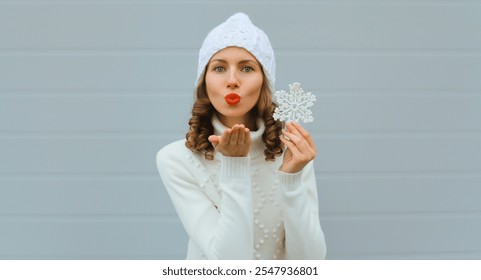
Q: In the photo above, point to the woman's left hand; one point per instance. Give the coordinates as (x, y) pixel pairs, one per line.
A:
(300, 148)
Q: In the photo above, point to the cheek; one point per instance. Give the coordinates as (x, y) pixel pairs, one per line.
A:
(211, 86)
(256, 86)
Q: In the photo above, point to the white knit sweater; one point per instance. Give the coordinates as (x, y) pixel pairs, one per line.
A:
(242, 207)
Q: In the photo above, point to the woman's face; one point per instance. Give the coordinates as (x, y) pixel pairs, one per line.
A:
(233, 81)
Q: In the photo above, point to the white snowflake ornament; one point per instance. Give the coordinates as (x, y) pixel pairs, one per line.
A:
(294, 106)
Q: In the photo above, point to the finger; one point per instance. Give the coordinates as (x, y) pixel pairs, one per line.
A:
(213, 139)
(289, 135)
(300, 151)
(242, 134)
(225, 138)
(247, 134)
(292, 133)
(234, 135)
(304, 133)
(292, 129)
(286, 139)
(292, 137)
(300, 143)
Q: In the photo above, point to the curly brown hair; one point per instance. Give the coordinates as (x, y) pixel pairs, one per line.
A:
(200, 124)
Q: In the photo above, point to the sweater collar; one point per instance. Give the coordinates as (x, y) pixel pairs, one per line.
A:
(257, 146)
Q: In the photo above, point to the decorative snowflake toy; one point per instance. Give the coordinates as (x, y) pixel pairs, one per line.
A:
(294, 106)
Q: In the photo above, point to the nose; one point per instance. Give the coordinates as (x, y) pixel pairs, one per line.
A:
(232, 81)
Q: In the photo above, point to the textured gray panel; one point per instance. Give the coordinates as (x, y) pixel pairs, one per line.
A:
(381, 71)
(138, 112)
(146, 71)
(401, 153)
(102, 71)
(79, 155)
(116, 113)
(410, 193)
(84, 195)
(293, 24)
(91, 238)
(422, 234)
(141, 195)
(136, 155)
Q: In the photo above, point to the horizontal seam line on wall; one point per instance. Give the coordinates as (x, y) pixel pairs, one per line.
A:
(320, 3)
(188, 93)
(92, 217)
(319, 134)
(77, 177)
(279, 52)
(177, 94)
(93, 256)
(359, 90)
(139, 218)
(394, 254)
(377, 215)
(320, 175)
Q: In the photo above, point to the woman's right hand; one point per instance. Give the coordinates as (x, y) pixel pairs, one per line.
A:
(234, 142)
(300, 148)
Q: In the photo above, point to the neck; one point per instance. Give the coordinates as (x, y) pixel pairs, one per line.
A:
(246, 120)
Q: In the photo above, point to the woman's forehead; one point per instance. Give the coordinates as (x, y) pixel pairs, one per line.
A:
(234, 53)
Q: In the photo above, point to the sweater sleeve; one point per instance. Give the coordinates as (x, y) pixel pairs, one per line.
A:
(224, 233)
(303, 233)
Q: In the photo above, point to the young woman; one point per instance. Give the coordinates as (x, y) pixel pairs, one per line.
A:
(238, 194)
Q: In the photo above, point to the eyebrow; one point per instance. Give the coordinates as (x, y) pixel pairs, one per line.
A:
(240, 62)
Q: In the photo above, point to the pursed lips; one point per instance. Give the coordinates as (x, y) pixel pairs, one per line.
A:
(232, 98)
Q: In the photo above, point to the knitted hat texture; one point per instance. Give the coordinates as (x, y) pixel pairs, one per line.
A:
(238, 31)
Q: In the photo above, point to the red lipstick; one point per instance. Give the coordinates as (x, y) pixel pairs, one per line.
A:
(232, 98)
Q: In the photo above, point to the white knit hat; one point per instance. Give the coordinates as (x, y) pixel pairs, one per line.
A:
(238, 31)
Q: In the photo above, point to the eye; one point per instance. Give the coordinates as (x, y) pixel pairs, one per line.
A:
(247, 69)
(219, 69)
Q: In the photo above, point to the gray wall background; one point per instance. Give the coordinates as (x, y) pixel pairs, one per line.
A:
(90, 90)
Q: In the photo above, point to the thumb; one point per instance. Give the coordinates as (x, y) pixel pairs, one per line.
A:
(214, 139)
